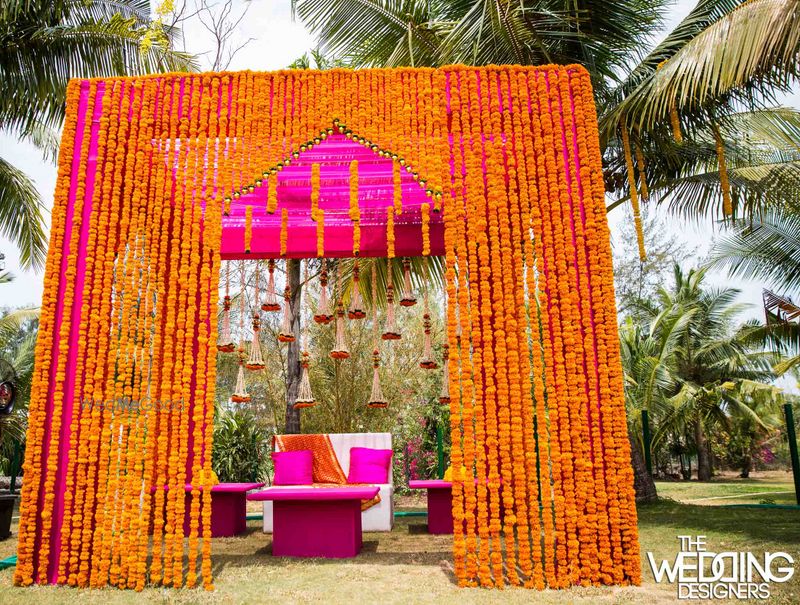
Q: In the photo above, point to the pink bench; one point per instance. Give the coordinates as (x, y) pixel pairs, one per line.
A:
(316, 521)
(440, 504)
(228, 509)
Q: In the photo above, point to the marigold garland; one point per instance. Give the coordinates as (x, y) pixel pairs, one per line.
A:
(542, 486)
(637, 217)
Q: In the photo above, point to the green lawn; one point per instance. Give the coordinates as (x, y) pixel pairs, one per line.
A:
(775, 487)
(410, 566)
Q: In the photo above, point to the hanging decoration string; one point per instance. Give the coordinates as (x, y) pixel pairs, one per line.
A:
(256, 359)
(390, 331)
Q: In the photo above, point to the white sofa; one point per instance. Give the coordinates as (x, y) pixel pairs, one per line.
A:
(376, 518)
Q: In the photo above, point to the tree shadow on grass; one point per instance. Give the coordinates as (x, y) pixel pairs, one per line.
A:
(767, 525)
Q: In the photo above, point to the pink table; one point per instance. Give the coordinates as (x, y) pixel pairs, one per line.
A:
(228, 509)
(316, 521)
(440, 504)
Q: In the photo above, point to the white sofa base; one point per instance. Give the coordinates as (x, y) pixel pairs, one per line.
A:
(376, 518)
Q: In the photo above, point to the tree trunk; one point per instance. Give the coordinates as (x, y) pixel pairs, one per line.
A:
(293, 370)
(642, 481)
(747, 466)
(703, 459)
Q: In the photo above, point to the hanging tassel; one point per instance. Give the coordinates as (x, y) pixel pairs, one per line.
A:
(256, 359)
(323, 315)
(427, 362)
(376, 398)
(305, 398)
(390, 331)
(444, 395)
(637, 217)
(286, 334)
(340, 350)
(225, 342)
(727, 205)
(240, 394)
(408, 299)
(270, 300)
(356, 310)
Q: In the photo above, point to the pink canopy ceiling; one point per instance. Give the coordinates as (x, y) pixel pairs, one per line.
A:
(375, 194)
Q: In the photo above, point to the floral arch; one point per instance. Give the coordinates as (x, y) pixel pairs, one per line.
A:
(160, 177)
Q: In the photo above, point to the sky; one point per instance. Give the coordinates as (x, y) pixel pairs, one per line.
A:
(275, 41)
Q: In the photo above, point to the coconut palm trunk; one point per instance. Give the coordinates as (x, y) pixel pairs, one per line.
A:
(642, 480)
(703, 456)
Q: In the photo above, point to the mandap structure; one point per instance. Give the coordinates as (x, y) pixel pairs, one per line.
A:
(497, 169)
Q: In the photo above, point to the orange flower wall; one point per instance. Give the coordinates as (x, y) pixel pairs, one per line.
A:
(507, 157)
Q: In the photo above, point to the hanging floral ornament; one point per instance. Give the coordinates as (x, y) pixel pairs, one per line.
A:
(427, 362)
(376, 398)
(397, 189)
(425, 218)
(390, 237)
(256, 359)
(408, 299)
(340, 350)
(323, 314)
(390, 331)
(240, 394)
(225, 342)
(286, 334)
(444, 395)
(272, 194)
(270, 300)
(305, 398)
(356, 310)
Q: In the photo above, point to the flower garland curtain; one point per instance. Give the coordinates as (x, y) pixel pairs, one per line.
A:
(160, 176)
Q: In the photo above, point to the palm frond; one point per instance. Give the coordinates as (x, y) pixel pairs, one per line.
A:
(21, 215)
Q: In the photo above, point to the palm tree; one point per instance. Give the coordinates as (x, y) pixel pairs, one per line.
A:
(693, 371)
(44, 43)
(717, 72)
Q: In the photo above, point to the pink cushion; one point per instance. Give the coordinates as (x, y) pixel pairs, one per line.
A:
(368, 465)
(293, 468)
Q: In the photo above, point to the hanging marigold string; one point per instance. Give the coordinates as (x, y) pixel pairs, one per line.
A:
(314, 190)
(640, 166)
(225, 342)
(390, 232)
(427, 362)
(272, 193)
(248, 228)
(320, 233)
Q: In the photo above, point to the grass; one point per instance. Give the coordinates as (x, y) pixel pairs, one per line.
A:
(727, 488)
(410, 566)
